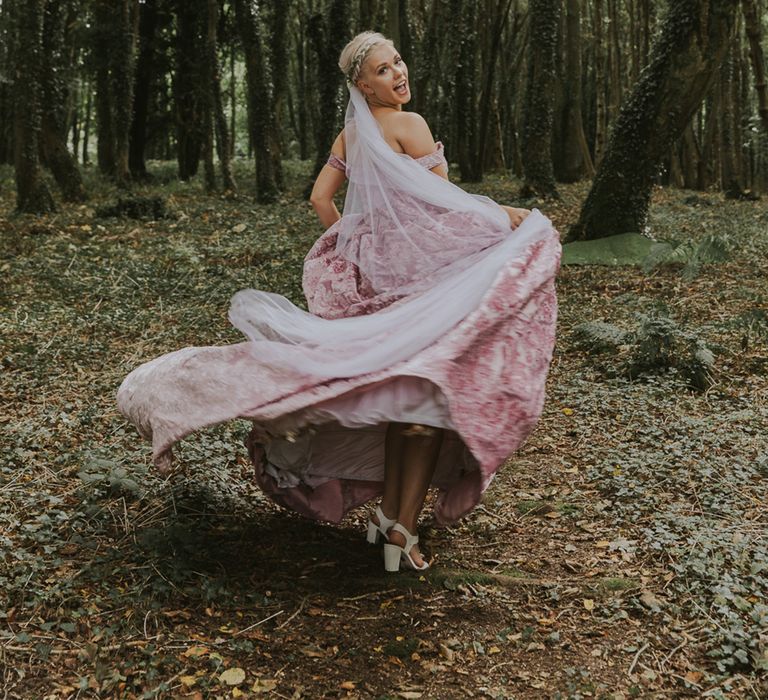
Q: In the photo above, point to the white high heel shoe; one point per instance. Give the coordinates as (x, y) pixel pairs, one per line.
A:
(395, 555)
(376, 532)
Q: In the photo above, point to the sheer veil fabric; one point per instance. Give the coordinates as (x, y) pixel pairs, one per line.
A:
(462, 340)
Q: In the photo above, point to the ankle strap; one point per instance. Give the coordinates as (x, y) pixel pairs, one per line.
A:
(410, 539)
(384, 521)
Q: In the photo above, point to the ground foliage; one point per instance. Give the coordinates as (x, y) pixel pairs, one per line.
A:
(621, 553)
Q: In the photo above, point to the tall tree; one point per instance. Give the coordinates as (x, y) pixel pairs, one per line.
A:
(215, 101)
(123, 77)
(539, 177)
(189, 99)
(754, 35)
(33, 195)
(260, 96)
(55, 117)
(328, 33)
(103, 39)
(7, 61)
(146, 62)
(575, 160)
(694, 36)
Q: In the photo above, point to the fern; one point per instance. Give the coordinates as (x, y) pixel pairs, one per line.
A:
(599, 336)
(712, 248)
(657, 344)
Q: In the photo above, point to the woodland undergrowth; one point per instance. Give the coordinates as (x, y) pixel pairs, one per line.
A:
(621, 553)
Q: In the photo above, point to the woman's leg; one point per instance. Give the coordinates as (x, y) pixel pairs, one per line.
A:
(420, 450)
(393, 463)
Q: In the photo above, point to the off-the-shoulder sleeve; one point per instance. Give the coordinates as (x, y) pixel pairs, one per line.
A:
(335, 162)
(432, 160)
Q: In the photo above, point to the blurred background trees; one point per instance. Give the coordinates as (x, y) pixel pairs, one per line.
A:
(546, 90)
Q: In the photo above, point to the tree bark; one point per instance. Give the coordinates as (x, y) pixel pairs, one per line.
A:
(189, 103)
(123, 76)
(261, 118)
(103, 40)
(7, 60)
(53, 131)
(538, 173)
(694, 36)
(576, 160)
(145, 65)
(328, 35)
(216, 103)
(279, 62)
(757, 58)
(729, 128)
(33, 195)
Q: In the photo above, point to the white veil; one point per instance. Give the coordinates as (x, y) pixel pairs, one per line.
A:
(417, 238)
(414, 222)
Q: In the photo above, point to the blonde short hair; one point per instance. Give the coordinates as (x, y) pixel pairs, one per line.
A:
(353, 55)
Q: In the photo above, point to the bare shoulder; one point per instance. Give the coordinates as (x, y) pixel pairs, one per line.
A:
(414, 134)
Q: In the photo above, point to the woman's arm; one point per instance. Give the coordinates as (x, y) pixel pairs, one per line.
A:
(328, 182)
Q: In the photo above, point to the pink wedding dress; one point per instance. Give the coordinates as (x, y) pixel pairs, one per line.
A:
(424, 307)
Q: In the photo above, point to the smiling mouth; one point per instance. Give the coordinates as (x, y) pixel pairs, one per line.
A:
(402, 87)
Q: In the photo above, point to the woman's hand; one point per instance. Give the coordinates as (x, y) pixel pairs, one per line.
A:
(516, 216)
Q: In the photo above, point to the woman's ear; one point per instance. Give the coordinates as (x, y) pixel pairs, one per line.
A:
(364, 87)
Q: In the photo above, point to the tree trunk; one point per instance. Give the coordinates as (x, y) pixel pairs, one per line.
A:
(600, 109)
(259, 101)
(466, 123)
(328, 36)
(393, 21)
(489, 69)
(302, 107)
(33, 195)
(188, 102)
(694, 37)
(145, 64)
(729, 128)
(279, 61)
(122, 85)
(757, 58)
(102, 48)
(576, 161)
(87, 122)
(216, 105)
(53, 132)
(539, 177)
(7, 61)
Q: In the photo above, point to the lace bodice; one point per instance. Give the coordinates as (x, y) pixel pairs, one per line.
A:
(429, 161)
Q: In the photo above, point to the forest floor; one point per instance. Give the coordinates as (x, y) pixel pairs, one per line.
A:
(621, 553)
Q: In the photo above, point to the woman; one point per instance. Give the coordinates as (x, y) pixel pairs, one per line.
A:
(424, 357)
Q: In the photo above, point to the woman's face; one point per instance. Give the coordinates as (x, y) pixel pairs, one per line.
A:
(384, 77)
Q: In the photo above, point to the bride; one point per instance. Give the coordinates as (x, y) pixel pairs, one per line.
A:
(424, 355)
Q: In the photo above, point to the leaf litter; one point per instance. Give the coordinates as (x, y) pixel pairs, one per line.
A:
(621, 553)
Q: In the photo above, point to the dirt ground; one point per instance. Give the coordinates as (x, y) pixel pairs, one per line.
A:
(621, 553)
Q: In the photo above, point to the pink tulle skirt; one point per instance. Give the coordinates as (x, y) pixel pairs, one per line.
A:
(320, 414)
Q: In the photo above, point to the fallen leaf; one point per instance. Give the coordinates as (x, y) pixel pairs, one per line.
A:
(567, 411)
(693, 677)
(589, 604)
(348, 685)
(232, 676)
(602, 544)
(188, 680)
(409, 694)
(196, 651)
(313, 652)
(264, 685)
(237, 693)
(650, 601)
